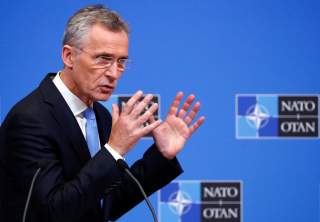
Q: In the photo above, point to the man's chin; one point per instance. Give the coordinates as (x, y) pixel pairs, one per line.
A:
(103, 97)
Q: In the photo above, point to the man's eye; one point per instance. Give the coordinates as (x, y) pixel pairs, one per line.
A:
(105, 59)
(122, 61)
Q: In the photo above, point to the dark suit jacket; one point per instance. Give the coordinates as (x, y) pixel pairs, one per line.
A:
(42, 129)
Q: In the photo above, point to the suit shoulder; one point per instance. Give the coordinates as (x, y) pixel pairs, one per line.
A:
(30, 105)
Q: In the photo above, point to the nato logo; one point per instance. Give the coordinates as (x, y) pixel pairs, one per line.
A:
(121, 101)
(276, 116)
(200, 201)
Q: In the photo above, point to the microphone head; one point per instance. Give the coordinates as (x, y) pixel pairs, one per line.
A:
(121, 164)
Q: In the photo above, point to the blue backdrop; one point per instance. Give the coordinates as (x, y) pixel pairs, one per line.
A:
(215, 49)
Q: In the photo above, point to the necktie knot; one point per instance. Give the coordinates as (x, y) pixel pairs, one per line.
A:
(89, 114)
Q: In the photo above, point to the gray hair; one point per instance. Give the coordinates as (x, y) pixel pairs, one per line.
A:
(81, 22)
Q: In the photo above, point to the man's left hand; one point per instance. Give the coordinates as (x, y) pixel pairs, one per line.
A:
(171, 135)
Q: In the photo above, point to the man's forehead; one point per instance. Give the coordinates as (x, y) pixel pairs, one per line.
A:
(102, 39)
(99, 34)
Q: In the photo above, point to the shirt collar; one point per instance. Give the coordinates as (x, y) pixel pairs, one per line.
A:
(76, 105)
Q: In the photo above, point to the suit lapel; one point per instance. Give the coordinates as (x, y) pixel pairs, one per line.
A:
(64, 116)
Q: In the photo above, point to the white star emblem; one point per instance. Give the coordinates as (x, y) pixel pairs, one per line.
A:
(180, 202)
(257, 116)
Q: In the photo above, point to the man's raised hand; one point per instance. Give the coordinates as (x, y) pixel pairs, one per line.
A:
(127, 127)
(171, 135)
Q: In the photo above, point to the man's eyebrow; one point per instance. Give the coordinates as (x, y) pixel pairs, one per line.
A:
(104, 54)
(124, 57)
(111, 55)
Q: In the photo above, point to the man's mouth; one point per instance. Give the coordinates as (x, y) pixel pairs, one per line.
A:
(109, 86)
(106, 88)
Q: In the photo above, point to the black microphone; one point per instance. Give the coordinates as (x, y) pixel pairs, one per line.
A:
(124, 166)
(41, 165)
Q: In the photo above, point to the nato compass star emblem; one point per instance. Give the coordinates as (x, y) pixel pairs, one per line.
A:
(257, 116)
(180, 202)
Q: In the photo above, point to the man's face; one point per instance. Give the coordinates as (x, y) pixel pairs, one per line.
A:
(91, 82)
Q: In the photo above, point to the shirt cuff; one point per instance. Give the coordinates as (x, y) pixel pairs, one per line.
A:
(113, 153)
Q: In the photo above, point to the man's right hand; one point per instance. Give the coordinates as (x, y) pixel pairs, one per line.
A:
(127, 127)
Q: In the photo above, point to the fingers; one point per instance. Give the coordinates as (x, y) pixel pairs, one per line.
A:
(186, 113)
(115, 113)
(143, 130)
(182, 113)
(133, 107)
(147, 129)
(192, 114)
(186, 105)
(152, 119)
(175, 104)
(196, 125)
(137, 113)
(148, 115)
(137, 110)
(131, 102)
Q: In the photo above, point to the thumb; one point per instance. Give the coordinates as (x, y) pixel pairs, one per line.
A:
(115, 113)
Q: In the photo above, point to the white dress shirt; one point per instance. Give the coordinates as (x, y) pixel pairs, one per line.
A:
(77, 107)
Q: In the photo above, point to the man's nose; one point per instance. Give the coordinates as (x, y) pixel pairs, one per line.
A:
(113, 71)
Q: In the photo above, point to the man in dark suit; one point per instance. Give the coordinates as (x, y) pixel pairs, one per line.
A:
(61, 128)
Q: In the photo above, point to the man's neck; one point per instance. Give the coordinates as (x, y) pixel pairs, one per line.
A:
(66, 78)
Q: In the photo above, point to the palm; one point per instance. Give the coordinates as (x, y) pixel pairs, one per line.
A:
(171, 135)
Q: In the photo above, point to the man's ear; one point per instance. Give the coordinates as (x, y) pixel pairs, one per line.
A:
(67, 56)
